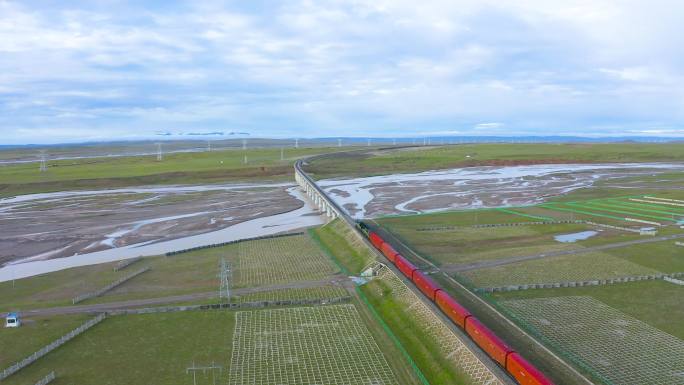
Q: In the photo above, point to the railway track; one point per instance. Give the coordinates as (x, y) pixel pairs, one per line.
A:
(472, 299)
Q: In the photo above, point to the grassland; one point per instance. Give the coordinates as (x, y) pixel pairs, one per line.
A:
(280, 260)
(179, 168)
(567, 268)
(366, 163)
(34, 333)
(181, 274)
(341, 244)
(306, 346)
(138, 349)
(657, 303)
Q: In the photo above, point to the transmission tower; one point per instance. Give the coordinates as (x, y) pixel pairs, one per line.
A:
(208, 145)
(394, 142)
(339, 142)
(43, 161)
(244, 144)
(282, 153)
(368, 143)
(160, 155)
(224, 278)
(296, 143)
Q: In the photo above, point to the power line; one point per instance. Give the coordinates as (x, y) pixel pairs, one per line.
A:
(43, 161)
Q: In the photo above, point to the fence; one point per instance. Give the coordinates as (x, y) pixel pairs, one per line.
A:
(109, 287)
(595, 282)
(232, 305)
(47, 379)
(125, 263)
(170, 253)
(442, 228)
(54, 345)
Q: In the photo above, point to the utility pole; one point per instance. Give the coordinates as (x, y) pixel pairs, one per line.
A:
(213, 367)
(43, 161)
(208, 145)
(160, 155)
(282, 153)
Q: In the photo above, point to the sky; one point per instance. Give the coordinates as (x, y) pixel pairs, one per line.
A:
(103, 69)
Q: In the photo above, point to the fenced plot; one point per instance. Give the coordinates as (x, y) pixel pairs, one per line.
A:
(567, 268)
(449, 344)
(306, 345)
(619, 348)
(322, 292)
(280, 260)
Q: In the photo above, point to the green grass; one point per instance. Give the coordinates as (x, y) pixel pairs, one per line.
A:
(662, 256)
(422, 348)
(365, 163)
(341, 244)
(306, 345)
(322, 292)
(180, 168)
(34, 333)
(443, 239)
(280, 260)
(566, 268)
(182, 274)
(657, 303)
(138, 349)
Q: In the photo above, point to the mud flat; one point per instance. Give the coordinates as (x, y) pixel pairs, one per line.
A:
(475, 187)
(304, 216)
(54, 225)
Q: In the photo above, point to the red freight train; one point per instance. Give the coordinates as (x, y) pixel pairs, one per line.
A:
(523, 372)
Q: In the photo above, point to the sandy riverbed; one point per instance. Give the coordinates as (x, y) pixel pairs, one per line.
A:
(474, 187)
(55, 225)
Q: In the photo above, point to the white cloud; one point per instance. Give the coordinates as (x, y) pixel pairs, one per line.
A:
(578, 66)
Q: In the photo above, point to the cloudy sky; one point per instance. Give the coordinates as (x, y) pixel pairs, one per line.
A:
(97, 70)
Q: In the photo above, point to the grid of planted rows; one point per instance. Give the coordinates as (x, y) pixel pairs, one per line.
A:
(450, 345)
(280, 260)
(568, 268)
(306, 345)
(322, 292)
(618, 347)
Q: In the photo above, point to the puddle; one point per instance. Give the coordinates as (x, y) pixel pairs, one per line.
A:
(574, 237)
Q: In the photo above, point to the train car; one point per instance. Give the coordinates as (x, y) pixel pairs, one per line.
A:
(452, 309)
(524, 372)
(376, 240)
(389, 251)
(406, 267)
(425, 284)
(487, 340)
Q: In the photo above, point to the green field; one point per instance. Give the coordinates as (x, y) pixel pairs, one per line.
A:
(182, 274)
(465, 244)
(138, 349)
(366, 163)
(306, 346)
(657, 303)
(280, 260)
(616, 347)
(34, 333)
(322, 292)
(180, 168)
(566, 268)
